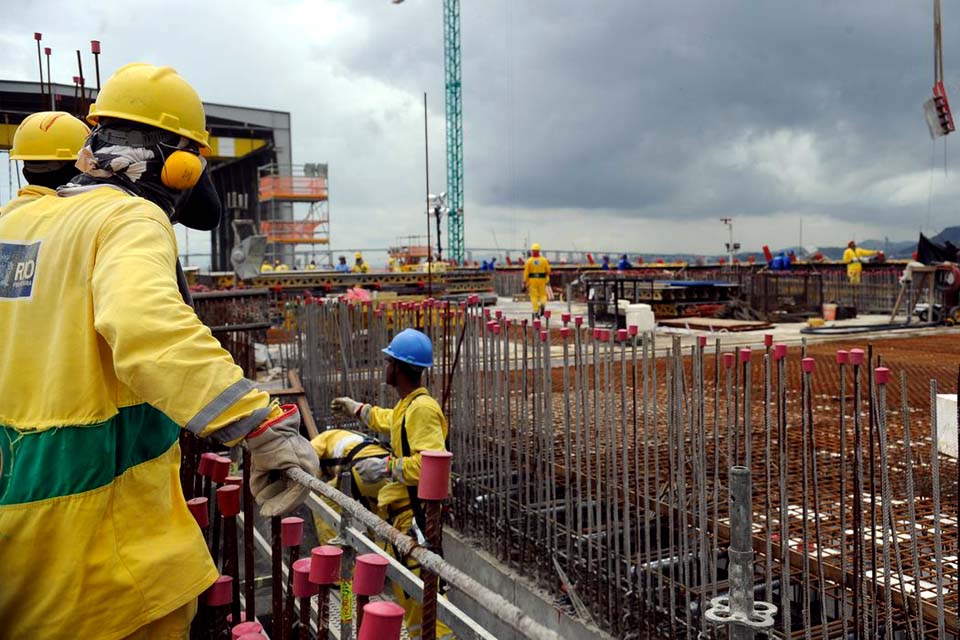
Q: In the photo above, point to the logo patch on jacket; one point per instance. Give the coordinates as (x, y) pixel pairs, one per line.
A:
(18, 267)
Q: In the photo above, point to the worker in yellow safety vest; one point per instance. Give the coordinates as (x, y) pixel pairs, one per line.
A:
(415, 424)
(853, 257)
(359, 266)
(47, 143)
(89, 452)
(278, 265)
(339, 450)
(536, 277)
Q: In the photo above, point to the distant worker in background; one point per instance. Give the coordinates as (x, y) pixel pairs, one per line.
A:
(90, 453)
(624, 264)
(780, 262)
(853, 257)
(605, 265)
(47, 143)
(493, 263)
(342, 266)
(312, 265)
(359, 266)
(415, 424)
(340, 450)
(484, 266)
(536, 277)
(266, 267)
(279, 265)
(392, 265)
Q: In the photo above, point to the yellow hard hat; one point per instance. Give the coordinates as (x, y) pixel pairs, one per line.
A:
(49, 135)
(535, 247)
(156, 96)
(358, 255)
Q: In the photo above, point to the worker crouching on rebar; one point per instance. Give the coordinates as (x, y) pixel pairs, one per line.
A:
(415, 424)
(536, 277)
(102, 366)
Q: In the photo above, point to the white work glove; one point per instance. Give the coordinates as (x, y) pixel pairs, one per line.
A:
(275, 447)
(371, 470)
(351, 408)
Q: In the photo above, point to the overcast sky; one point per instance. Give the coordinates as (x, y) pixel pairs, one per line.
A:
(587, 124)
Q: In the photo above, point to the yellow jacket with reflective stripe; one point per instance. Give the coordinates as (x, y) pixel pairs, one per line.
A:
(426, 431)
(537, 268)
(101, 365)
(335, 444)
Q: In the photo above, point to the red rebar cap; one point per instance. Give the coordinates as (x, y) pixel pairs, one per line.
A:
(205, 468)
(434, 475)
(291, 531)
(882, 375)
(325, 564)
(236, 481)
(37, 35)
(381, 621)
(200, 511)
(47, 50)
(491, 324)
(745, 354)
(498, 314)
(94, 46)
(543, 336)
(564, 332)
(596, 333)
(633, 330)
(252, 636)
(302, 587)
(768, 339)
(220, 592)
(495, 328)
(473, 299)
(369, 574)
(228, 500)
(536, 325)
(246, 629)
(728, 360)
(843, 356)
(779, 351)
(622, 335)
(856, 357)
(808, 365)
(578, 321)
(221, 469)
(604, 334)
(702, 341)
(486, 313)
(565, 317)
(546, 313)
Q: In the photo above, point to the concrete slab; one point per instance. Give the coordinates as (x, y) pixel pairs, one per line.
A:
(947, 424)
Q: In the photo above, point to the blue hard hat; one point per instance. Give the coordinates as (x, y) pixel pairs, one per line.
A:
(412, 347)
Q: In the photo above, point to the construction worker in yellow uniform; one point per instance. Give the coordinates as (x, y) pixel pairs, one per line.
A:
(853, 257)
(341, 449)
(415, 424)
(278, 265)
(359, 266)
(89, 453)
(536, 277)
(47, 143)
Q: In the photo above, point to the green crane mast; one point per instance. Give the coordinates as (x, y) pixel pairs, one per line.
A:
(454, 113)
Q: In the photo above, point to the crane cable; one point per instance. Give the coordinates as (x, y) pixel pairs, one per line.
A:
(937, 44)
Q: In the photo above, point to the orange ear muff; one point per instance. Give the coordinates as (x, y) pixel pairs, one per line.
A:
(181, 170)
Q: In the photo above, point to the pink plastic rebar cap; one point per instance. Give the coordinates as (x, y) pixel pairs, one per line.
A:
(228, 500)
(622, 335)
(473, 299)
(843, 356)
(486, 313)
(633, 330)
(434, 475)
(252, 636)
(728, 360)
(291, 531)
(565, 317)
(381, 621)
(495, 329)
(808, 365)
(578, 321)
(596, 333)
(246, 629)
(536, 325)
(325, 564)
(234, 481)
(702, 341)
(302, 587)
(745, 354)
(856, 357)
(220, 592)
(546, 313)
(369, 574)
(543, 336)
(605, 335)
(882, 375)
(564, 332)
(779, 351)
(201, 512)
(221, 469)
(768, 339)
(499, 314)
(205, 468)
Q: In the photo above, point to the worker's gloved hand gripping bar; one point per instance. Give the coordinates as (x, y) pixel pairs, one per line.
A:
(275, 447)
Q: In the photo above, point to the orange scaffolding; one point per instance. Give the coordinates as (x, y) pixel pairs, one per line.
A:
(294, 210)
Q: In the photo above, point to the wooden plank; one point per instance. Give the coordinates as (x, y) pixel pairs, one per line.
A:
(715, 324)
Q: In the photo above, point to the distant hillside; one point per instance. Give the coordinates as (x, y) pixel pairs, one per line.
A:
(950, 233)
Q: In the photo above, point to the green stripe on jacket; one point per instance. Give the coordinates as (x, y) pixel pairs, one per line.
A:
(69, 460)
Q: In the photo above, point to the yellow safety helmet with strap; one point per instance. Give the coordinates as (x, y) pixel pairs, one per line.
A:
(535, 246)
(161, 98)
(358, 256)
(49, 135)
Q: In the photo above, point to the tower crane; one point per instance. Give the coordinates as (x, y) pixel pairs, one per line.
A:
(454, 121)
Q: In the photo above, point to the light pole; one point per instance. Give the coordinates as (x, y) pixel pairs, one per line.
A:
(732, 246)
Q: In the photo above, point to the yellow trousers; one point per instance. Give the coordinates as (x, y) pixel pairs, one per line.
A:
(413, 610)
(173, 626)
(854, 269)
(538, 293)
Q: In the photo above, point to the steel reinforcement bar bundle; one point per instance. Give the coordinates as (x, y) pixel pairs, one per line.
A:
(595, 463)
